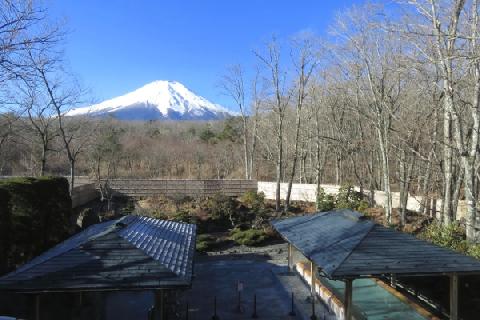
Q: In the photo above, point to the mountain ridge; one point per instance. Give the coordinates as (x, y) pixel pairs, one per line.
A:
(157, 100)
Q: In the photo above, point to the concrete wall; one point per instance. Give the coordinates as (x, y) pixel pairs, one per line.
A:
(307, 192)
(83, 194)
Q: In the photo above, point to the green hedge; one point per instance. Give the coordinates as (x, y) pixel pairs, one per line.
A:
(250, 237)
(35, 214)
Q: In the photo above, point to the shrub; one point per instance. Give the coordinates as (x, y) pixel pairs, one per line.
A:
(157, 214)
(5, 230)
(348, 198)
(207, 242)
(363, 206)
(202, 246)
(474, 250)
(129, 207)
(36, 213)
(325, 202)
(179, 199)
(183, 216)
(250, 237)
(253, 200)
(450, 236)
(222, 209)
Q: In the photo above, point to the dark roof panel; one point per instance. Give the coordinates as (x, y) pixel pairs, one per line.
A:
(132, 252)
(322, 239)
(386, 250)
(345, 244)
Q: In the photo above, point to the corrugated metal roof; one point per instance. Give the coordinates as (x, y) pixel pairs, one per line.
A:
(344, 244)
(130, 252)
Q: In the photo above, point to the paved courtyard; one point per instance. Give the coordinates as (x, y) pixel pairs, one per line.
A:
(219, 277)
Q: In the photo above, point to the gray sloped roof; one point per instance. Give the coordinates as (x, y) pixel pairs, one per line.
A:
(344, 244)
(132, 252)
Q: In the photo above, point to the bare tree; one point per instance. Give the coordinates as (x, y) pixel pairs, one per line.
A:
(63, 93)
(42, 122)
(233, 85)
(445, 36)
(23, 25)
(305, 60)
(377, 58)
(280, 102)
(256, 105)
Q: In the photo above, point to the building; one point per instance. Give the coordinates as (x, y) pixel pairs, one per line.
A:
(344, 246)
(128, 254)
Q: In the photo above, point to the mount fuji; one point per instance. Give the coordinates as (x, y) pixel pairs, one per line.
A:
(158, 100)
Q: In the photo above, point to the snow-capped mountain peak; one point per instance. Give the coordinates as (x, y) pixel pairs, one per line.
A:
(160, 99)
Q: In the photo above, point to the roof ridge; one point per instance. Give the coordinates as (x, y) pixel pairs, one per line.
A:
(168, 226)
(119, 224)
(353, 249)
(309, 217)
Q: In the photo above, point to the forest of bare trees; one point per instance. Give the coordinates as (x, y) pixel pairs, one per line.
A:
(387, 100)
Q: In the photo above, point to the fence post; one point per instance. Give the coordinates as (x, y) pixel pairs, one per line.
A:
(215, 317)
(313, 316)
(292, 311)
(254, 314)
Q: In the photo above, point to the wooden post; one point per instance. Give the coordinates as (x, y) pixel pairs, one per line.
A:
(159, 305)
(454, 296)
(290, 257)
(393, 280)
(37, 307)
(312, 279)
(348, 299)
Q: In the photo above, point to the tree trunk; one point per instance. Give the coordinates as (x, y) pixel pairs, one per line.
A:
(245, 148)
(383, 143)
(447, 212)
(471, 200)
(254, 147)
(43, 160)
(279, 161)
(294, 160)
(403, 187)
(408, 167)
(337, 169)
(425, 187)
(72, 176)
(470, 163)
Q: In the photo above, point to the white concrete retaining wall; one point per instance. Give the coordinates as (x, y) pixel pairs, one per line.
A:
(307, 192)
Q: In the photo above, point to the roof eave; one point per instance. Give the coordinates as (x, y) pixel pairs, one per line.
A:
(179, 285)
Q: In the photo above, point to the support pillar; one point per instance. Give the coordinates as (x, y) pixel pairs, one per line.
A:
(159, 305)
(312, 279)
(37, 307)
(348, 299)
(393, 280)
(454, 296)
(80, 299)
(290, 267)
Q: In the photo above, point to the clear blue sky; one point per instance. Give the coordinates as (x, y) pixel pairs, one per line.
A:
(117, 46)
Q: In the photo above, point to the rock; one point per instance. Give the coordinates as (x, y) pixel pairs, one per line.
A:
(87, 218)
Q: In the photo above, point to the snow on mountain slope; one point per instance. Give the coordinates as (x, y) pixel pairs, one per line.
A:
(167, 100)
